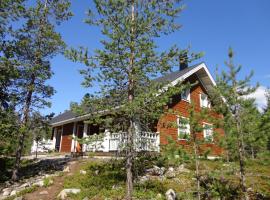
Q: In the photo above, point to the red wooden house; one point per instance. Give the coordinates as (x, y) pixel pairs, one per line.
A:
(68, 124)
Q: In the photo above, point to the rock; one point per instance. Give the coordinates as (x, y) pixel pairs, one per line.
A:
(85, 198)
(39, 183)
(170, 173)
(182, 169)
(143, 179)
(63, 194)
(159, 196)
(18, 198)
(96, 172)
(13, 192)
(6, 192)
(6, 189)
(170, 194)
(82, 172)
(24, 185)
(44, 192)
(66, 169)
(156, 171)
(116, 187)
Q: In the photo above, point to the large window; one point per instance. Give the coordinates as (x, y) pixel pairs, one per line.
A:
(183, 128)
(185, 95)
(208, 132)
(204, 101)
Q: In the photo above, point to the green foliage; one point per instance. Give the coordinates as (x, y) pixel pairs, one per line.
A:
(173, 154)
(47, 181)
(219, 188)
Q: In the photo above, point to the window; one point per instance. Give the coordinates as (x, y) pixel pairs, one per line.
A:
(185, 95)
(208, 132)
(204, 100)
(183, 128)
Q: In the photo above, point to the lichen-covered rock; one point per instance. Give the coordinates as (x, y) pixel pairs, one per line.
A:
(66, 169)
(170, 194)
(156, 171)
(64, 193)
(82, 172)
(44, 192)
(13, 192)
(6, 192)
(170, 173)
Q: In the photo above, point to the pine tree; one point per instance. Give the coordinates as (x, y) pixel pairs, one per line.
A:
(127, 63)
(11, 10)
(234, 91)
(37, 42)
(265, 121)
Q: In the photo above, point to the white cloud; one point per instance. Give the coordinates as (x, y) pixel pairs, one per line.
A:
(259, 96)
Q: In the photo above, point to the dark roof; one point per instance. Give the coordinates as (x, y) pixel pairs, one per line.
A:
(63, 116)
(166, 78)
(174, 75)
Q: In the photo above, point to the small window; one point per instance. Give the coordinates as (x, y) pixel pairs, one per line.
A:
(183, 128)
(204, 100)
(185, 95)
(208, 132)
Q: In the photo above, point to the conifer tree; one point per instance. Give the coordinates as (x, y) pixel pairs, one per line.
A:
(234, 91)
(36, 43)
(127, 63)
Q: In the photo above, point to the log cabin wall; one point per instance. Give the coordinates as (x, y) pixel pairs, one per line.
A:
(182, 106)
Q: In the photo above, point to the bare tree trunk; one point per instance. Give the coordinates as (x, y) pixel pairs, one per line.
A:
(23, 130)
(197, 169)
(252, 153)
(131, 121)
(129, 161)
(36, 149)
(241, 159)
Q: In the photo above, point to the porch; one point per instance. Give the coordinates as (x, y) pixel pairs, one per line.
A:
(82, 137)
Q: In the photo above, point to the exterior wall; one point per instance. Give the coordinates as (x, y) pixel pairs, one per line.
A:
(182, 107)
(66, 137)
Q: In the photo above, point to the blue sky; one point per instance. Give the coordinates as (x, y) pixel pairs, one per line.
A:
(209, 26)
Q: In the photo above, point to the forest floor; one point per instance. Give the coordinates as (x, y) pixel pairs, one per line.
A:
(105, 179)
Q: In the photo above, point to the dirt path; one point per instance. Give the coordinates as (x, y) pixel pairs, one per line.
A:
(51, 192)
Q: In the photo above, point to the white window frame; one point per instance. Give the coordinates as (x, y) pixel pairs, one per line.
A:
(186, 129)
(206, 135)
(185, 95)
(207, 101)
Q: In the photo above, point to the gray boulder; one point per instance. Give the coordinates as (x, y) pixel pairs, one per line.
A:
(64, 193)
(170, 195)
(170, 173)
(156, 171)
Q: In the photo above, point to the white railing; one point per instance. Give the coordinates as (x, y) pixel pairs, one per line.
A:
(143, 141)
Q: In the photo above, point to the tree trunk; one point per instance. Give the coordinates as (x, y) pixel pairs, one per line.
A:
(23, 130)
(36, 149)
(129, 186)
(241, 159)
(129, 161)
(197, 169)
(252, 153)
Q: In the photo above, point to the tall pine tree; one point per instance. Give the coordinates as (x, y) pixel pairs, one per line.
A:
(234, 91)
(127, 63)
(37, 42)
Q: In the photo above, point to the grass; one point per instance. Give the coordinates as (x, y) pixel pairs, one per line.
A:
(107, 180)
(23, 192)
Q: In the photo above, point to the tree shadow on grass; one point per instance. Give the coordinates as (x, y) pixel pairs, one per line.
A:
(31, 168)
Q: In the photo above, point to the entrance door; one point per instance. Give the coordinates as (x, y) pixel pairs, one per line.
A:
(79, 135)
(58, 138)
